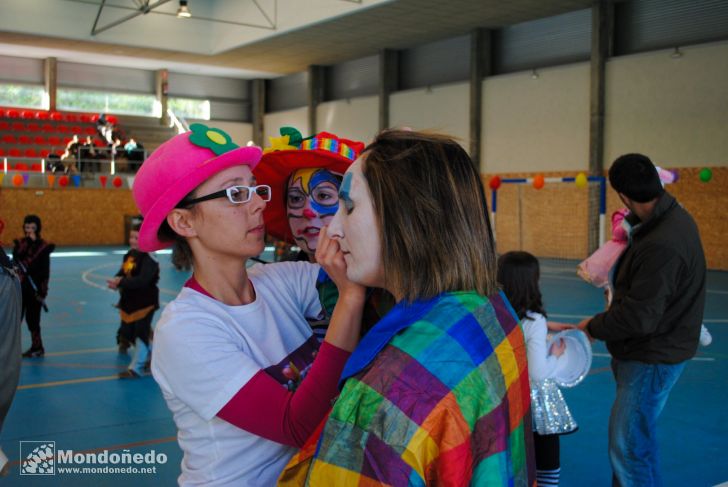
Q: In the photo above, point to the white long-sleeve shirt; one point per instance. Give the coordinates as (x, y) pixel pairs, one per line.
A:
(541, 364)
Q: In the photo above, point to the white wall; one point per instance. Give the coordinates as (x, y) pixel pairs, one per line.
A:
(354, 118)
(297, 118)
(674, 110)
(441, 108)
(539, 124)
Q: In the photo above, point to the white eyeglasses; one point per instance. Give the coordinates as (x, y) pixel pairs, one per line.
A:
(236, 194)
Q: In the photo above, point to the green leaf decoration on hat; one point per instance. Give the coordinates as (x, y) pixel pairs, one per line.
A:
(294, 136)
(218, 141)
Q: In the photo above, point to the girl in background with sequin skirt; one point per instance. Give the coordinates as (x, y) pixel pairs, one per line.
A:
(518, 275)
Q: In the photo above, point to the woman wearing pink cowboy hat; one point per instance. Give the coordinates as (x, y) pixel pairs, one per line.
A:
(232, 350)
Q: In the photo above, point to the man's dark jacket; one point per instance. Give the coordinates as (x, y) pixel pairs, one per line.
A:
(659, 290)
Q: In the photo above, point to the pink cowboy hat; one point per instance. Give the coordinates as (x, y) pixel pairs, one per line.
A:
(176, 168)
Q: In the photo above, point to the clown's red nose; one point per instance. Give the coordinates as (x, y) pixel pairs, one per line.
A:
(308, 214)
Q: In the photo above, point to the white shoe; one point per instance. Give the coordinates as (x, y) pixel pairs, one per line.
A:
(705, 337)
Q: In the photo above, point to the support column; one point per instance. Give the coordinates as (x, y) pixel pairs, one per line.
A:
(315, 94)
(388, 83)
(161, 90)
(601, 49)
(50, 76)
(258, 115)
(480, 67)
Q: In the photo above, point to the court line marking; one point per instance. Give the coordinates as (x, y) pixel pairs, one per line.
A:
(698, 359)
(91, 273)
(581, 317)
(120, 368)
(77, 352)
(66, 382)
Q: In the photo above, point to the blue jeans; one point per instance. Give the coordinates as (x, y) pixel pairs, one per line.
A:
(642, 391)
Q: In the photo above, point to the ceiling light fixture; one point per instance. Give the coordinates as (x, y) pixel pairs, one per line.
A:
(183, 12)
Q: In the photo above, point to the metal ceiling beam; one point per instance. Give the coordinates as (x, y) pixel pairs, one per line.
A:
(144, 9)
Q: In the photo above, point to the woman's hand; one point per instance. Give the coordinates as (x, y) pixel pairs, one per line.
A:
(345, 325)
(331, 258)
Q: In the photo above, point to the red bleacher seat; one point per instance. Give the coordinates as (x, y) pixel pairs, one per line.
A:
(31, 153)
(2, 152)
(42, 115)
(9, 139)
(4, 125)
(76, 130)
(94, 118)
(89, 131)
(60, 152)
(70, 117)
(27, 114)
(56, 116)
(33, 127)
(39, 140)
(99, 143)
(67, 140)
(85, 118)
(63, 129)
(45, 153)
(2, 112)
(12, 114)
(54, 140)
(18, 127)
(25, 139)
(112, 119)
(14, 152)
(48, 128)
(37, 166)
(21, 166)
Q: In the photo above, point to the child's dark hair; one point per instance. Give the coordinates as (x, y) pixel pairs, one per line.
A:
(518, 274)
(136, 224)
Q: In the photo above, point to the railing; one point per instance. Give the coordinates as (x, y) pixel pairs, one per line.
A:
(178, 122)
(108, 163)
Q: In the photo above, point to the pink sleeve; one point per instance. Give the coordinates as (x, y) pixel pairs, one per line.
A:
(619, 234)
(265, 408)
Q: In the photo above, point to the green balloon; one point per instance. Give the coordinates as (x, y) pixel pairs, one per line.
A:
(706, 174)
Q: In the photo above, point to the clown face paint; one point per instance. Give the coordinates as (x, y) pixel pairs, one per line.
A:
(311, 202)
(357, 230)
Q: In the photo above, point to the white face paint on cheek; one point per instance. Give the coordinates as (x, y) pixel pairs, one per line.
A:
(361, 234)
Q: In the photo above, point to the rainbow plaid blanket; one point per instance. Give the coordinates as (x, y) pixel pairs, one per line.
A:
(437, 393)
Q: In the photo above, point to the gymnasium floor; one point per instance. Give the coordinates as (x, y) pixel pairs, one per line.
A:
(72, 396)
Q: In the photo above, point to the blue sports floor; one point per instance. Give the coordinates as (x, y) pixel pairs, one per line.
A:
(73, 398)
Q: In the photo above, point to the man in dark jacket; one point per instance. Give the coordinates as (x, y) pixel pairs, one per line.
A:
(652, 326)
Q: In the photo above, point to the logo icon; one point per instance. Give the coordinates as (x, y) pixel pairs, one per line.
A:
(38, 458)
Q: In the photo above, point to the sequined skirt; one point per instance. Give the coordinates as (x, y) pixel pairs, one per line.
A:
(550, 413)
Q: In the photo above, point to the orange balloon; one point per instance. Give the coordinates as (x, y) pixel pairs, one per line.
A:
(18, 180)
(538, 181)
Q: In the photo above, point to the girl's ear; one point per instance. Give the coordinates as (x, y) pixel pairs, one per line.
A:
(181, 221)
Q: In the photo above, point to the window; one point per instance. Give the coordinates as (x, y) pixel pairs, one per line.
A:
(190, 108)
(19, 95)
(103, 101)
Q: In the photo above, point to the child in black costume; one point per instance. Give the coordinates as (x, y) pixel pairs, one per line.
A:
(32, 259)
(136, 281)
